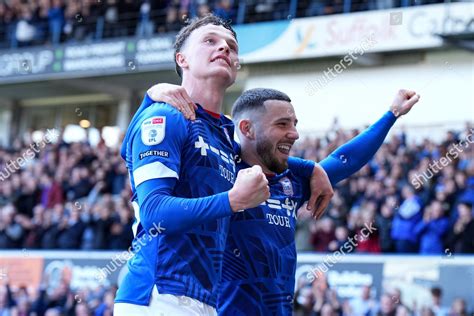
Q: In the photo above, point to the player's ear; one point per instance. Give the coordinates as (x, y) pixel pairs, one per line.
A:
(181, 60)
(247, 129)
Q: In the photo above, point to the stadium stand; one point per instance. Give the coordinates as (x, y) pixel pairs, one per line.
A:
(39, 22)
(40, 202)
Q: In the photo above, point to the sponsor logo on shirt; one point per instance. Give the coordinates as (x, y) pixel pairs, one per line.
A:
(281, 220)
(287, 186)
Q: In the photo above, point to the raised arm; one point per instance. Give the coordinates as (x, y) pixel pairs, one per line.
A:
(350, 157)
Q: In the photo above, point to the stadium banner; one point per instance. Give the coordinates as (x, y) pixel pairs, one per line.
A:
(346, 278)
(31, 268)
(415, 275)
(337, 35)
(22, 270)
(88, 59)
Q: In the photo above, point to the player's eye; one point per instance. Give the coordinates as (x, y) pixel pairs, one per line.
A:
(209, 41)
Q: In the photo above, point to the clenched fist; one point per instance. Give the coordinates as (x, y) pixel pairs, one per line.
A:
(403, 102)
(250, 189)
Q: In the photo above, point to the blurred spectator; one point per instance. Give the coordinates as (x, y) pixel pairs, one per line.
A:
(107, 306)
(51, 191)
(3, 25)
(407, 217)
(387, 306)
(325, 299)
(224, 10)
(304, 300)
(203, 10)
(70, 230)
(28, 198)
(363, 305)
(432, 229)
(426, 311)
(384, 222)
(40, 21)
(97, 19)
(402, 310)
(461, 235)
(129, 12)
(396, 295)
(368, 237)
(322, 233)
(56, 21)
(173, 23)
(458, 308)
(111, 18)
(25, 30)
(11, 232)
(145, 25)
(75, 27)
(341, 238)
(436, 297)
(302, 234)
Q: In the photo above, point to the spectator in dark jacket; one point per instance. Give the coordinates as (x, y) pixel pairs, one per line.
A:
(461, 236)
(28, 198)
(70, 230)
(3, 24)
(322, 233)
(384, 222)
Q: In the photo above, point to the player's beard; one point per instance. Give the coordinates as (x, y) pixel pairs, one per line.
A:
(266, 152)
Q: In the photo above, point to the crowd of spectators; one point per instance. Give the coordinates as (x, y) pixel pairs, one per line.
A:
(315, 298)
(319, 299)
(37, 22)
(69, 197)
(56, 300)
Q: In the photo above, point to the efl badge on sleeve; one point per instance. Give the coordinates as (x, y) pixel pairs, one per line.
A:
(287, 186)
(153, 130)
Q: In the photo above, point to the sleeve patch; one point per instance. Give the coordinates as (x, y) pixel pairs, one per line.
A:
(159, 153)
(153, 130)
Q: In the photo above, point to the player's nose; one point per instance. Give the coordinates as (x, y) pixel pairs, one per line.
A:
(223, 47)
(293, 134)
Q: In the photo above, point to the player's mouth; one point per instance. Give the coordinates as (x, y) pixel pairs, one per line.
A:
(284, 148)
(221, 59)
